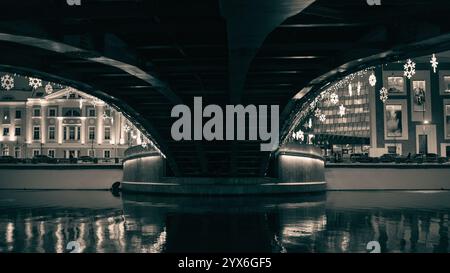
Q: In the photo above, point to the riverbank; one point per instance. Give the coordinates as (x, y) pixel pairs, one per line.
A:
(338, 176)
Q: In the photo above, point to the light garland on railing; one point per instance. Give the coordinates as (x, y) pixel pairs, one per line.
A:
(313, 105)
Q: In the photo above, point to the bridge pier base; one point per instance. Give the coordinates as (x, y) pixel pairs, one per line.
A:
(300, 170)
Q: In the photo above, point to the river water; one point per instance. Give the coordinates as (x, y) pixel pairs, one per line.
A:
(97, 221)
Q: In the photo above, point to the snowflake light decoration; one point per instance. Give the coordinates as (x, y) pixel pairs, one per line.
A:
(358, 89)
(372, 79)
(384, 94)
(350, 89)
(7, 82)
(322, 117)
(334, 98)
(126, 128)
(410, 69)
(48, 88)
(317, 113)
(35, 83)
(300, 135)
(144, 144)
(434, 63)
(342, 110)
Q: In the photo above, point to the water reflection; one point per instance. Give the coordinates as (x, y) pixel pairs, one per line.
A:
(40, 221)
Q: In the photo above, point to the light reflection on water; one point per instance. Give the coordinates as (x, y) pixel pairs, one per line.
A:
(45, 221)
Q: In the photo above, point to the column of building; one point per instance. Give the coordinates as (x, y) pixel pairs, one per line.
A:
(99, 110)
(29, 129)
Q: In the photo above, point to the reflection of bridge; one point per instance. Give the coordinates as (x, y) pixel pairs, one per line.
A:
(145, 58)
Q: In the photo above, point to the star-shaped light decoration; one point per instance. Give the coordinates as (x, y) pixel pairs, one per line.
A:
(372, 79)
(434, 63)
(410, 69)
(358, 89)
(342, 110)
(384, 94)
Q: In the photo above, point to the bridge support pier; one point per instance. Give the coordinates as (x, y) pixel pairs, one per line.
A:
(300, 169)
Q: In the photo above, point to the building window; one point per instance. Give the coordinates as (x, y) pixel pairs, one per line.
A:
(78, 132)
(36, 133)
(36, 152)
(107, 154)
(18, 114)
(17, 131)
(91, 153)
(51, 153)
(447, 121)
(71, 112)
(17, 152)
(51, 132)
(6, 131)
(6, 116)
(5, 150)
(71, 133)
(91, 112)
(107, 133)
(36, 112)
(91, 133)
(52, 112)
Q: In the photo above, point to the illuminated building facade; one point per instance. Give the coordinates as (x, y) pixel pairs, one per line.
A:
(64, 123)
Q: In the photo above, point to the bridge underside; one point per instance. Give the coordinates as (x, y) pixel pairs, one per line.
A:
(144, 57)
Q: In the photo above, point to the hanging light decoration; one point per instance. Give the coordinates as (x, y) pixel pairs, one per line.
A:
(317, 112)
(350, 89)
(372, 79)
(384, 94)
(342, 110)
(48, 89)
(358, 89)
(126, 128)
(35, 83)
(334, 98)
(299, 135)
(7, 82)
(322, 117)
(410, 69)
(310, 123)
(144, 144)
(434, 63)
